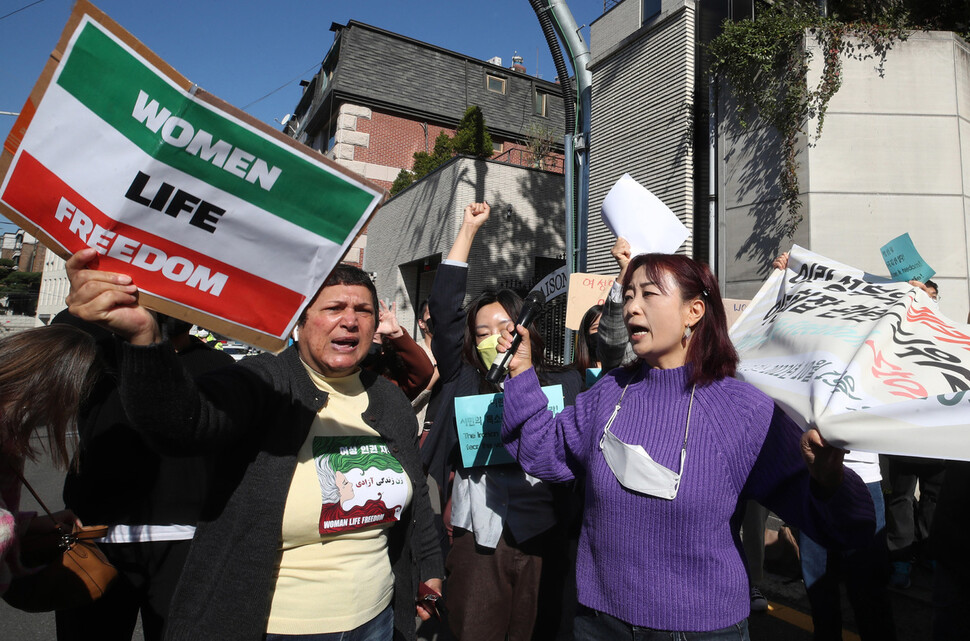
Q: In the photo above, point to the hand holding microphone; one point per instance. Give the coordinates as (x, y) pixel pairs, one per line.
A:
(531, 309)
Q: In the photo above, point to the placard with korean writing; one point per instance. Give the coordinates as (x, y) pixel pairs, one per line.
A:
(479, 421)
(874, 364)
(585, 291)
(904, 262)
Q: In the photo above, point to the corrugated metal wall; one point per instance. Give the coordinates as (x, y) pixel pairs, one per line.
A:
(642, 123)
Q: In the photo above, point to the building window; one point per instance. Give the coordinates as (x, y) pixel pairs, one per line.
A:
(497, 147)
(539, 103)
(494, 83)
(650, 9)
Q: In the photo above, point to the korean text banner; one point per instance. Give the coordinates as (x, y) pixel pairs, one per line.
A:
(873, 364)
(201, 204)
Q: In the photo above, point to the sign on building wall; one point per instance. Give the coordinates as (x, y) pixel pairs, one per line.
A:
(218, 218)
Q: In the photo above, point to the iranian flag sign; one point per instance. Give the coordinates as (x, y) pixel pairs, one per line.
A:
(873, 364)
(218, 218)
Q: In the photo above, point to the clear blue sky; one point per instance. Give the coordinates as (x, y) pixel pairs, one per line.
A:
(242, 50)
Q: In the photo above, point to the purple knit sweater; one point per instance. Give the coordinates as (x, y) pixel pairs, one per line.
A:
(677, 565)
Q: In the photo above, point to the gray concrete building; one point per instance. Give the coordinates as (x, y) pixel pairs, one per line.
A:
(522, 241)
(892, 158)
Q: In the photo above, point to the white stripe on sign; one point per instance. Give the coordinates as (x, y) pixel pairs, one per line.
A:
(111, 164)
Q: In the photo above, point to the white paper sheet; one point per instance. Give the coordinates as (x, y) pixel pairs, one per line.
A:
(632, 212)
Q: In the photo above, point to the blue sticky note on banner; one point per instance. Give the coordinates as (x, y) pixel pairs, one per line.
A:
(479, 421)
(904, 262)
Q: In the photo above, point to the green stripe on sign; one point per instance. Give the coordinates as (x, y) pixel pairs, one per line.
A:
(188, 136)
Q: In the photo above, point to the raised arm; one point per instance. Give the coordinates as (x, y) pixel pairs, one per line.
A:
(160, 397)
(612, 339)
(418, 367)
(446, 303)
(476, 215)
(108, 299)
(548, 447)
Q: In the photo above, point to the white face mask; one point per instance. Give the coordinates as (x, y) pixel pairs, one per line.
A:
(634, 468)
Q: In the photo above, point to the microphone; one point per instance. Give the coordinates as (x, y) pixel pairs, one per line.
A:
(531, 308)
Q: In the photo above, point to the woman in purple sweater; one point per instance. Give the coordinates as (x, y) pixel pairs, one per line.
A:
(667, 448)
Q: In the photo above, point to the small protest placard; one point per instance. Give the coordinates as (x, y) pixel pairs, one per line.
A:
(585, 290)
(904, 262)
(733, 308)
(218, 218)
(479, 421)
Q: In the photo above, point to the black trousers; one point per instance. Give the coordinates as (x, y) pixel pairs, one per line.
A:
(147, 576)
(908, 521)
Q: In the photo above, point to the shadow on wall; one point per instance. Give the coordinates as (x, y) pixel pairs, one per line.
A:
(527, 218)
(753, 161)
(506, 247)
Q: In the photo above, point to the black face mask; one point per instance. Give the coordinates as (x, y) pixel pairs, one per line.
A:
(591, 346)
(429, 326)
(373, 355)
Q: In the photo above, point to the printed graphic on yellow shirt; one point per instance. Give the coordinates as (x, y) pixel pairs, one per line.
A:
(361, 483)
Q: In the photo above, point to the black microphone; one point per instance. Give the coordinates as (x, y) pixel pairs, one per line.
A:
(531, 308)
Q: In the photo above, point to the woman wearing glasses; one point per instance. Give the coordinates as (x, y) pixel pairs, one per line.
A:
(667, 447)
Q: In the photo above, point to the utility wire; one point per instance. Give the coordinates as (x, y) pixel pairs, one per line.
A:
(283, 86)
(21, 9)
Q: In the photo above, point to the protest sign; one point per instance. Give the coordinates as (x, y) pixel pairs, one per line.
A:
(479, 421)
(904, 262)
(554, 285)
(585, 290)
(218, 218)
(873, 364)
(631, 211)
(733, 308)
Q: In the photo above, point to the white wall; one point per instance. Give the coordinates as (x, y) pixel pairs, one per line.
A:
(893, 157)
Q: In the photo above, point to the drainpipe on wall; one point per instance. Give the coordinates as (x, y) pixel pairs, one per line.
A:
(555, 15)
(572, 39)
(712, 257)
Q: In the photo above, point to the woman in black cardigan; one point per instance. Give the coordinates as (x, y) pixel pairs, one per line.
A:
(262, 415)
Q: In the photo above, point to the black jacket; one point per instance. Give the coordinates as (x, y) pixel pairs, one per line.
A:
(259, 414)
(120, 477)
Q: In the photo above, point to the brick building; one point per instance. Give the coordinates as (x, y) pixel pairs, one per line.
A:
(379, 97)
(24, 250)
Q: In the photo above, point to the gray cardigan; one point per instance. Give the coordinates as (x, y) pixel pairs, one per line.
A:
(256, 415)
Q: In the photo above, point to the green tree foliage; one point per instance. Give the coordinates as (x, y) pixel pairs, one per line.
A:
(402, 182)
(471, 139)
(941, 15)
(19, 290)
(766, 66)
(425, 163)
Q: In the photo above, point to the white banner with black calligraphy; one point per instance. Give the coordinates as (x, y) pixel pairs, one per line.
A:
(872, 363)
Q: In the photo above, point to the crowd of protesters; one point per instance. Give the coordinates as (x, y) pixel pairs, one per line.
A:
(246, 509)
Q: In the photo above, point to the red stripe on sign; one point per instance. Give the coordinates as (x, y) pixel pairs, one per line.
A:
(158, 266)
